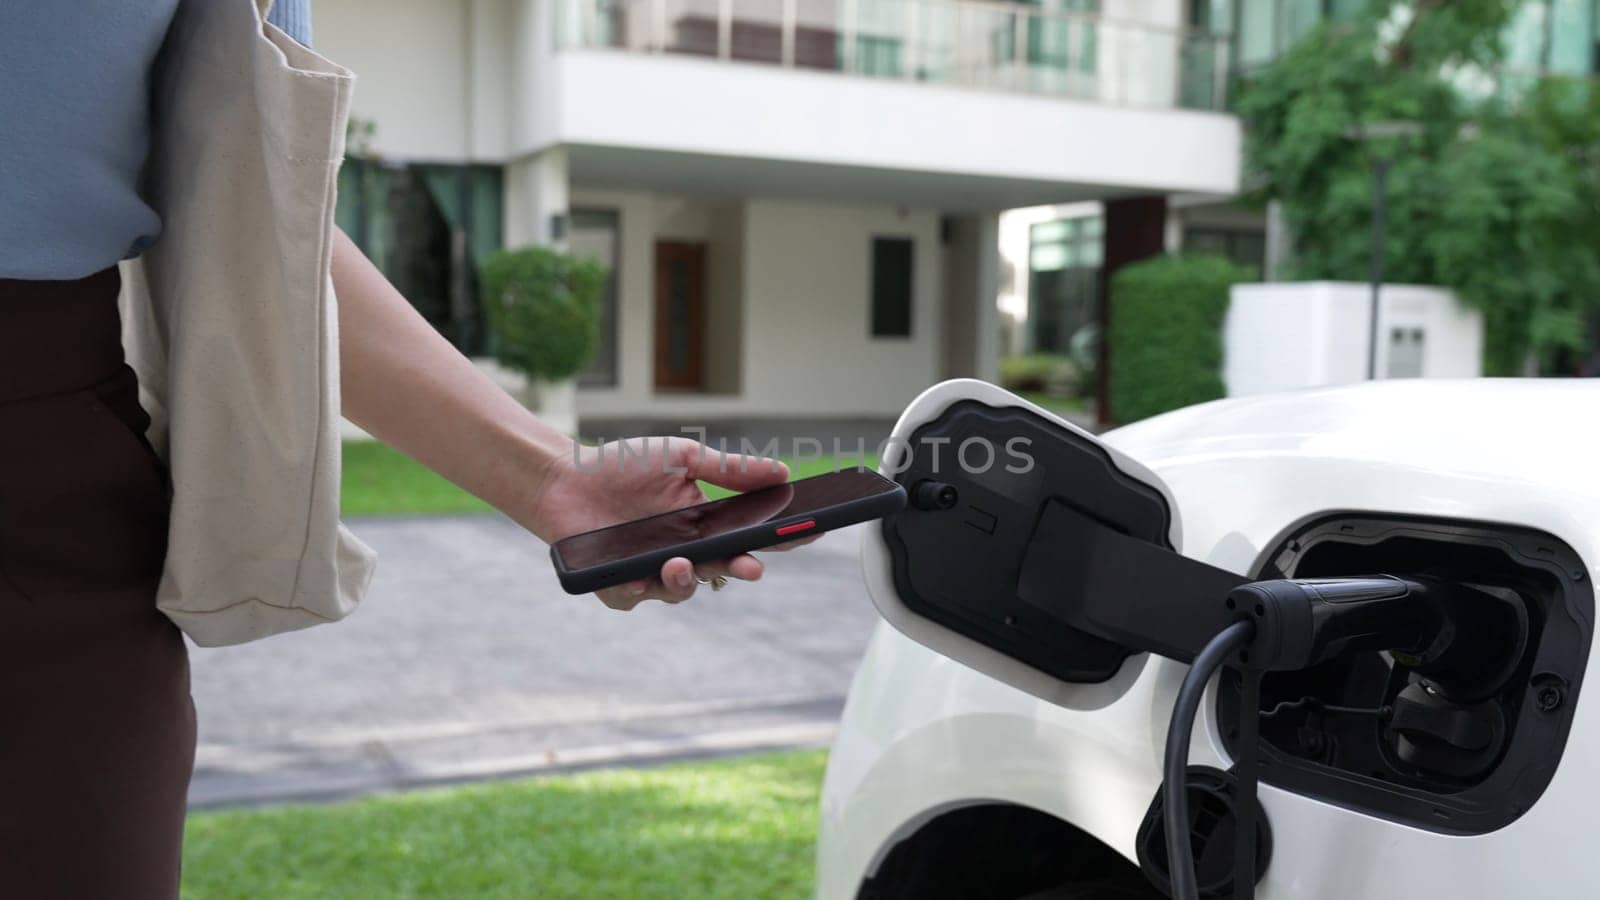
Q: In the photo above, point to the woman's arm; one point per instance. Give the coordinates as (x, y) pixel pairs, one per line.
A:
(411, 389)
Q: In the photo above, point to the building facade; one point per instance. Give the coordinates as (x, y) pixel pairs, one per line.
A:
(798, 200)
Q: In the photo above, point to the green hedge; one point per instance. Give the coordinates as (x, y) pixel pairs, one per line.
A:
(1166, 333)
(543, 308)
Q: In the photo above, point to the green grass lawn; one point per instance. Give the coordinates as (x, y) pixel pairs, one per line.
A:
(741, 829)
(380, 481)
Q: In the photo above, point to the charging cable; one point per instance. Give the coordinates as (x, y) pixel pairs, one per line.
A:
(1175, 807)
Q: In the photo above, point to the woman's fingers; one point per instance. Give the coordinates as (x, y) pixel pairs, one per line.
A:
(679, 580)
(743, 567)
(626, 596)
(736, 472)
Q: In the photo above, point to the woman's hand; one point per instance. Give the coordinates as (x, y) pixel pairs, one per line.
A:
(594, 487)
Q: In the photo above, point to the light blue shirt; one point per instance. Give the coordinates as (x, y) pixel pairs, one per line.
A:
(75, 129)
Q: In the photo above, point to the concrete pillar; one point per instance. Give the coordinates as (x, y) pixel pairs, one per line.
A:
(1279, 243)
(1172, 238)
(986, 349)
(971, 272)
(536, 200)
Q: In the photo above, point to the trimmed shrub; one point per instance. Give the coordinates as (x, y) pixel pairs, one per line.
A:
(1043, 372)
(543, 310)
(1166, 333)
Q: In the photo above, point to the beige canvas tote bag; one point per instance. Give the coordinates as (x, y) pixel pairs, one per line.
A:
(230, 321)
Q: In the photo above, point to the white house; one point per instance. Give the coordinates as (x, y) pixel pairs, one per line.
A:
(798, 199)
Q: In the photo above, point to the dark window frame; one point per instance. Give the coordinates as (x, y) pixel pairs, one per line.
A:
(1234, 242)
(892, 303)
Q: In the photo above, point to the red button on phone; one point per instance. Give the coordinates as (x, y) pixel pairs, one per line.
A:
(797, 527)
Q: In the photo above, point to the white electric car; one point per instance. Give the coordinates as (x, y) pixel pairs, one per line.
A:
(987, 751)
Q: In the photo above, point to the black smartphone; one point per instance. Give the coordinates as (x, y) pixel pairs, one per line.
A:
(722, 528)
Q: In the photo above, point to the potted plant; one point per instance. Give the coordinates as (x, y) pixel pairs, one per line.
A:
(543, 310)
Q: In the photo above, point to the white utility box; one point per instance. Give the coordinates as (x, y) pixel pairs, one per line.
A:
(1287, 335)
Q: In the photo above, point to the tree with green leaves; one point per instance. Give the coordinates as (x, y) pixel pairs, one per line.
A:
(1495, 193)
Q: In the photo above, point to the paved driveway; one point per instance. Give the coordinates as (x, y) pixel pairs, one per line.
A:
(467, 660)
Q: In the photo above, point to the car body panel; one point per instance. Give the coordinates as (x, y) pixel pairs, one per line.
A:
(922, 733)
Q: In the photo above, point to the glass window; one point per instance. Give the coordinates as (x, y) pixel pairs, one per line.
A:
(427, 228)
(1295, 19)
(1048, 257)
(1246, 247)
(596, 234)
(1257, 29)
(880, 37)
(1214, 16)
(1572, 36)
(1527, 37)
(1346, 10)
(1063, 280)
(1552, 35)
(891, 287)
(1049, 232)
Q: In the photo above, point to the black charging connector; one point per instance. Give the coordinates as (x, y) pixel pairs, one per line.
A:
(1300, 623)
(1463, 640)
(1289, 624)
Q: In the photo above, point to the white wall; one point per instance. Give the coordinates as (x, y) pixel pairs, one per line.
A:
(688, 105)
(434, 75)
(535, 192)
(1290, 335)
(803, 344)
(1157, 13)
(808, 309)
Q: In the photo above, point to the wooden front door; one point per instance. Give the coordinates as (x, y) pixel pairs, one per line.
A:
(680, 316)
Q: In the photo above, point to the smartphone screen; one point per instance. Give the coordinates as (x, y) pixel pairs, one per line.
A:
(668, 530)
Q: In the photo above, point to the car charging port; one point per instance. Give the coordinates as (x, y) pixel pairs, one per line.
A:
(1460, 736)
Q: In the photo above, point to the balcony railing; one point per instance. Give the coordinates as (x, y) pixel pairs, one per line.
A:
(975, 43)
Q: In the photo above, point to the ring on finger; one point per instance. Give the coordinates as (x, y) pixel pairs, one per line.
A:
(717, 582)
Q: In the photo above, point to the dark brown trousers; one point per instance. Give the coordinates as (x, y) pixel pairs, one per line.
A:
(96, 724)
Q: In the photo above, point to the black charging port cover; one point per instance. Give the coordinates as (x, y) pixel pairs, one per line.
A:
(960, 567)
(1211, 828)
